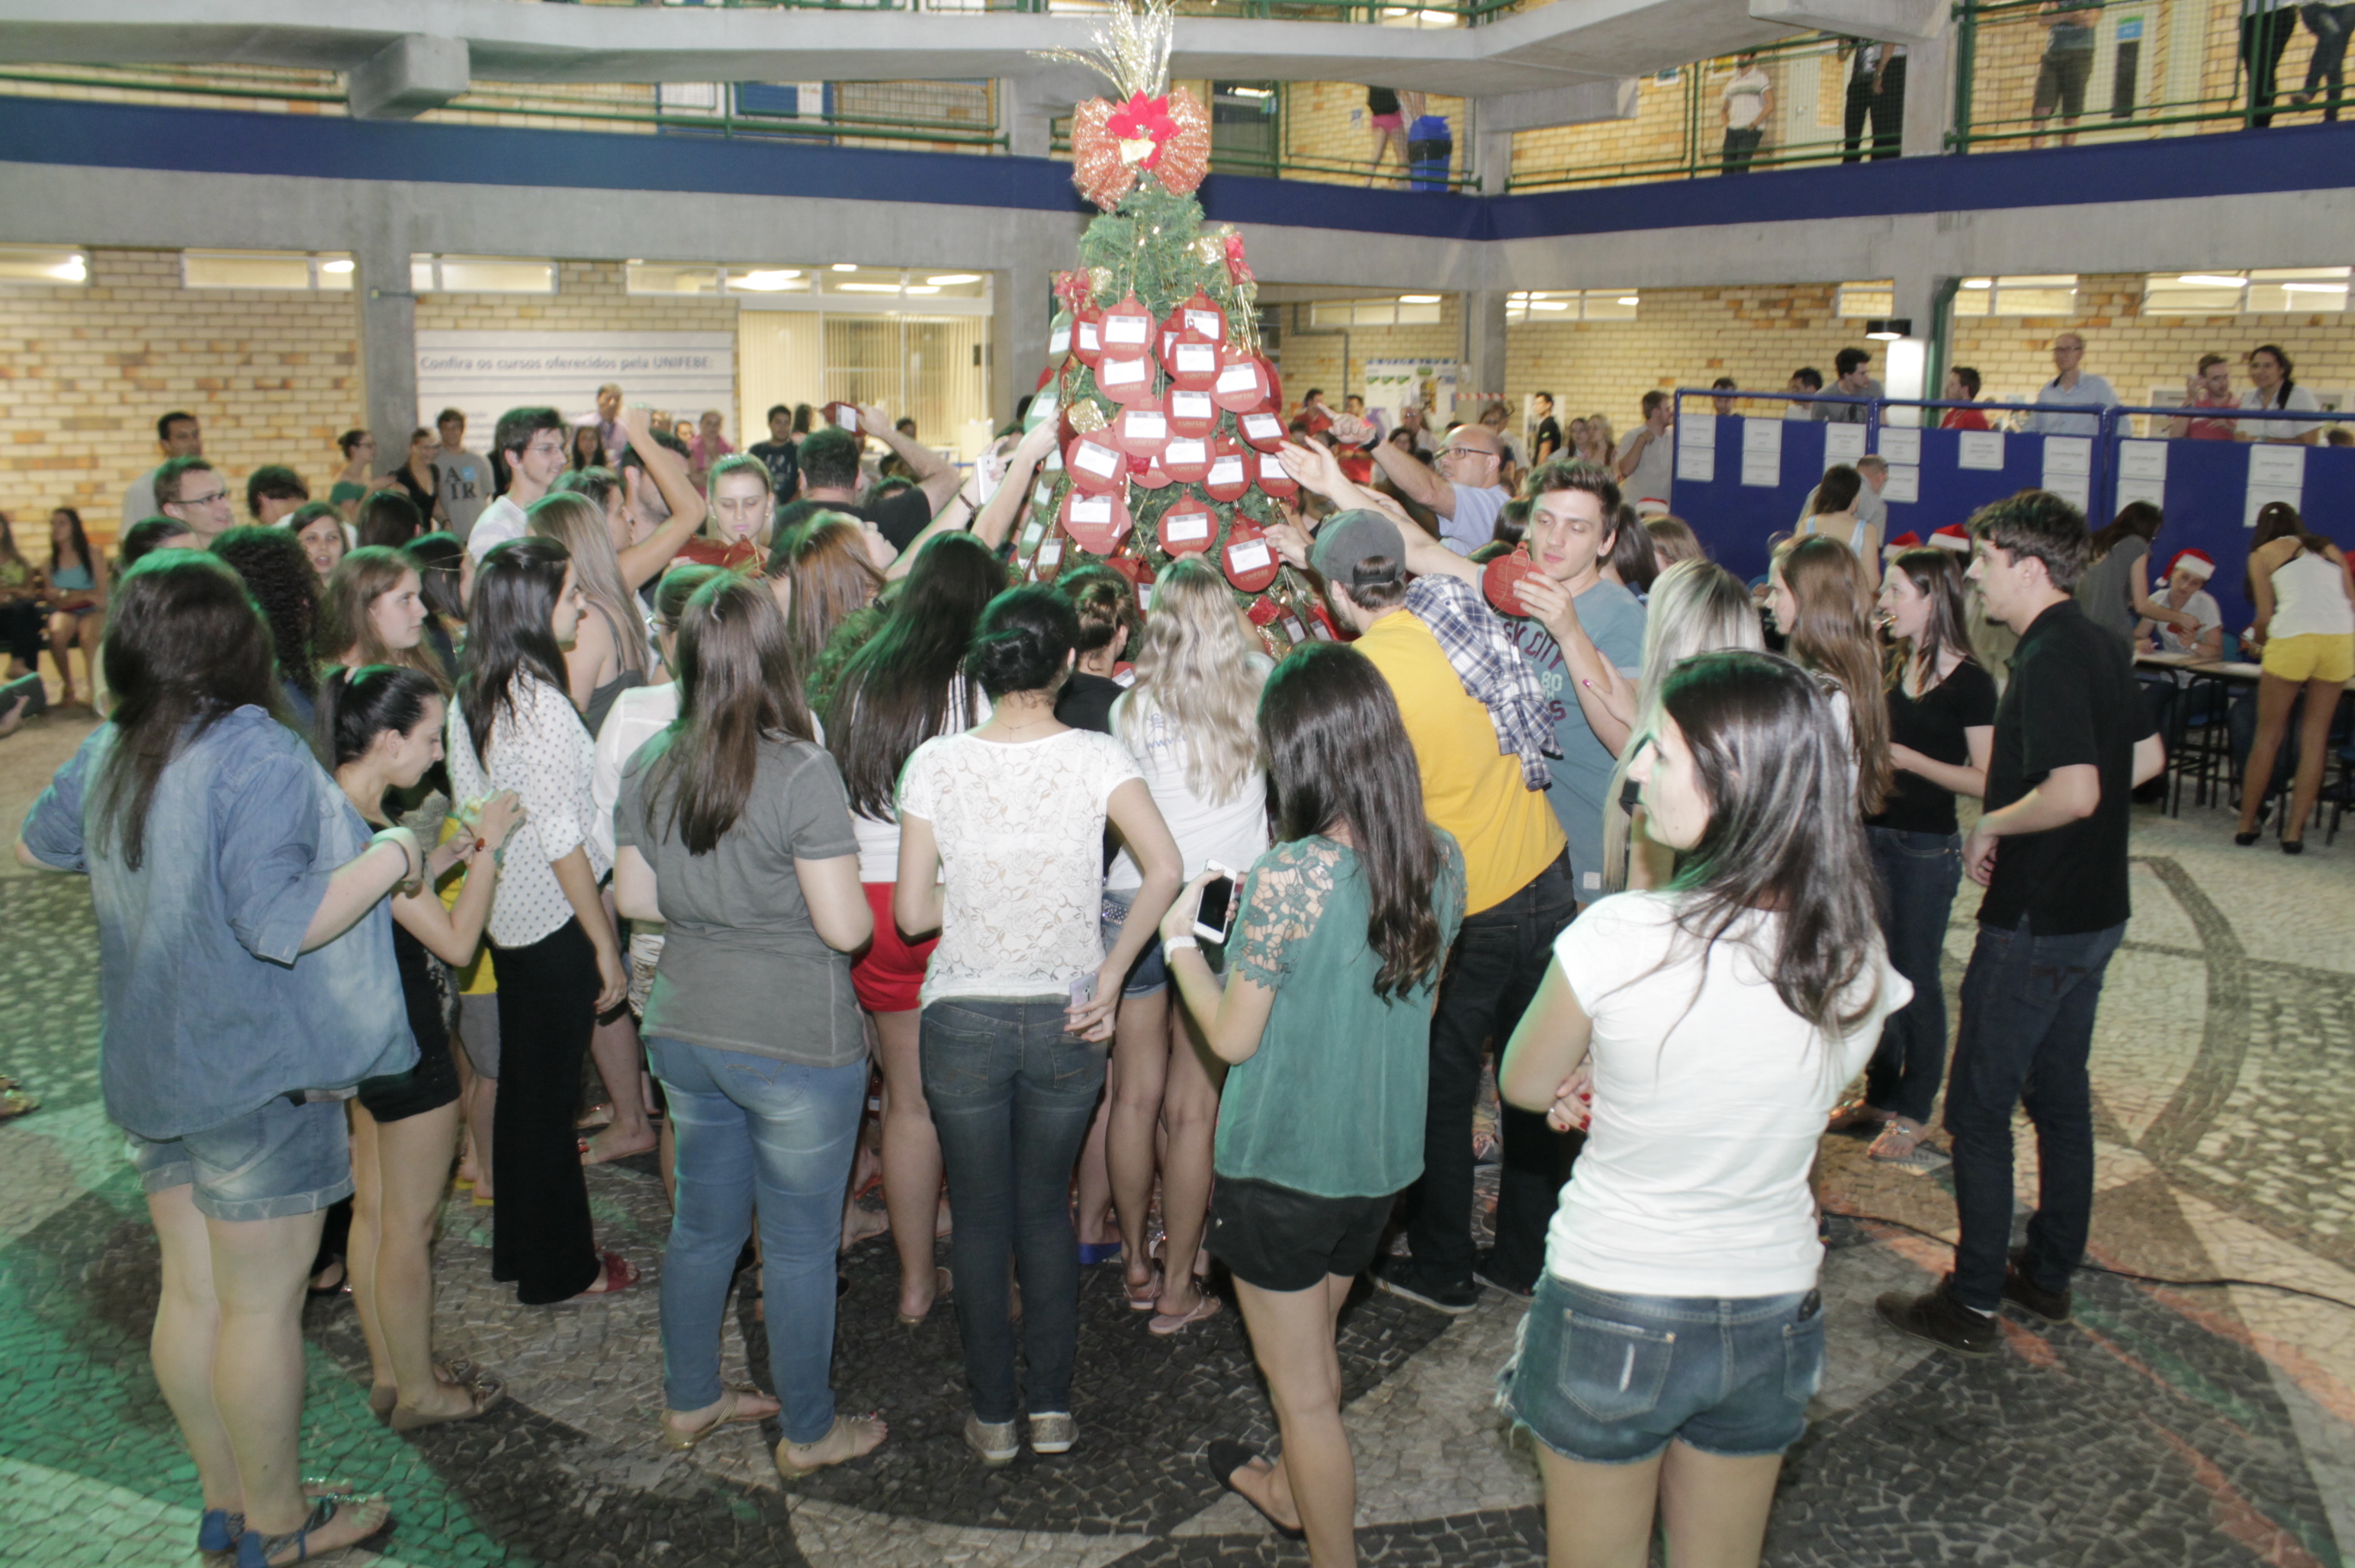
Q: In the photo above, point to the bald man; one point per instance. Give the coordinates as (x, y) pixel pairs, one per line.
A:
(1460, 483)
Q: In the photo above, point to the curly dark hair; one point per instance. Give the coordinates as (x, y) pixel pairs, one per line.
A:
(279, 576)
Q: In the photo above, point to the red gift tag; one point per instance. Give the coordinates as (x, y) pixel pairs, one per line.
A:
(1271, 476)
(1229, 477)
(1251, 562)
(1127, 328)
(1241, 383)
(1188, 457)
(1048, 561)
(1187, 528)
(1264, 428)
(1087, 336)
(1191, 411)
(842, 416)
(1501, 579)
(1200, 320)
(1096, 465)
(1096, 523)
(1146, 474)
(1194, 366)
(1142, 430)
(1125, 378)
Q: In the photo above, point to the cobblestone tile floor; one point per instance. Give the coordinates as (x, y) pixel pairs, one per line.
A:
(2170, 1424)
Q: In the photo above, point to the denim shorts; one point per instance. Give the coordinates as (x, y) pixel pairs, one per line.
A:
(1606, 1379)
(1149, 973)
(282, 1160)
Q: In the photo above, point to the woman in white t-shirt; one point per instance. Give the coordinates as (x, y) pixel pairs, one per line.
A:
(1190, 723)
(2271, 387)
(1001, 851)
(1677, 1333)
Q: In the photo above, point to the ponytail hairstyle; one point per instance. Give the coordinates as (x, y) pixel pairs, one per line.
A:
(737, 688)
(1105, 604)
(185, 648)
(1337, 753)
(1832, 636)
(356, 706)
(511, 632)
(2279, 520)
(1782, 835)
(1025, 642)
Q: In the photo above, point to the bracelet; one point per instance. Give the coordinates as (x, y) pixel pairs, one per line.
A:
(1179, 944)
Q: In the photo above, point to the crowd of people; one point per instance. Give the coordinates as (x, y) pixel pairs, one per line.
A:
(757, 786)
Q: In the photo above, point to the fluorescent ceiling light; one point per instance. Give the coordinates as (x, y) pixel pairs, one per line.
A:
(1417, 299)
(946, 279)
(1978, 282)
(72, 270)
(1549, 305)
(1628, 299)
(339, 264)
(2210, 281)
(766, 281)
(2314, 288)
(1251, 92)
(1885, 337)
(924, 288)
(868, 288)
(845, 266)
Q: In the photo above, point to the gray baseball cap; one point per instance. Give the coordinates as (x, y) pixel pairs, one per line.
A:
(1352, 539)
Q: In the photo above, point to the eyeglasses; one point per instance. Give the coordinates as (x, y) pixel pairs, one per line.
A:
(202, 500)
(1468, 452)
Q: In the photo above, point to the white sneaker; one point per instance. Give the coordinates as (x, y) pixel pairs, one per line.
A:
(1053, 1433)
(994, 1441)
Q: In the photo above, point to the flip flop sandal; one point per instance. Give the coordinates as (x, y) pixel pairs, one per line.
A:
(1222, 1459)
(1145, 1300)
(732, 1413)
(1206, 1306)
(14, 1103)
(254, 1550)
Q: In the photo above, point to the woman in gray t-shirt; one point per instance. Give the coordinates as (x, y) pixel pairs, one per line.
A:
(733, 830)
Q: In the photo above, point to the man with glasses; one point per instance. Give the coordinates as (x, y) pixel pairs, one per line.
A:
(2070, 389)
(527, 451)
(177, 435)
(1464, 491)
(190, 492)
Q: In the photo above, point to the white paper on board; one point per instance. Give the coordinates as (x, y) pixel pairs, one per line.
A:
(2133, 490)
(2070, 455)
(1978, 449)
(2259, 494)
(1904, 486)
(2281, 467)
(1900, 445)
(2143, 460)
(1696, 461)
(1762, 452)
(2074, 488)
(1843, 443)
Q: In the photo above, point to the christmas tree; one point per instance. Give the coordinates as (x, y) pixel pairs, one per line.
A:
(1171, 413)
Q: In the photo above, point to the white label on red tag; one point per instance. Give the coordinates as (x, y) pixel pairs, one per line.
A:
(1087, 339)
(1140, 426)
(1249, 556)
(1293, 629)
(1032, 535)
(1317, 630)
(1191, 406)
(1262, 427)
(1205, 322)
(1228, 471)
(1145, 596)
(1197, 358)
(1272, 467)
(1094, 511)
(1059, 340)
(1182, 454)
(1189, 526)
(1100, 460)
(1119, 372)
(1239, 377)
(1049, 553)
(1127, 330)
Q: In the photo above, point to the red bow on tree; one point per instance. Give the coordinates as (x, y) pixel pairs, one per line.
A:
(1141, 126)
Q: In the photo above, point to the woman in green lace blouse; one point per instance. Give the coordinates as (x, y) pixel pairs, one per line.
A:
(1326, 1020)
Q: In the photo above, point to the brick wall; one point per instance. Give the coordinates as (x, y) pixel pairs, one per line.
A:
(1326, 122)
(590, 296)
(1312, 356)
(274, 375)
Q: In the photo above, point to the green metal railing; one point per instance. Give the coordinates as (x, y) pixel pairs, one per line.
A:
(1365, 11)
(1285, 165)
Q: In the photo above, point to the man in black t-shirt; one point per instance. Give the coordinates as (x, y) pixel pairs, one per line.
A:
(830, 460)
(780, 455)
(1547, 442)
(2072, 741)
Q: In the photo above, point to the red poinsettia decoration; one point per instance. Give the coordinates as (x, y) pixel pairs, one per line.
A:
(1142, 126)
(1168, 136)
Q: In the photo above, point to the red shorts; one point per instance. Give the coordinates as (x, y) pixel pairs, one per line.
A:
(1390, 122)
(889, 977)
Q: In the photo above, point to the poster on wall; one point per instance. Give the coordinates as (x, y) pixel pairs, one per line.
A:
(1428, 384)
(485, 374)
(2276, 473)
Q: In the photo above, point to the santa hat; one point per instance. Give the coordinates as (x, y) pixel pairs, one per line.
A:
(1953, 537)
(2198, 563)
(1900, 545)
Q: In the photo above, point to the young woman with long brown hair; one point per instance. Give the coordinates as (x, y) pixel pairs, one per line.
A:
(375, 613)
(77, 588)
(733, 830)
(1820, 598)
(823, 574)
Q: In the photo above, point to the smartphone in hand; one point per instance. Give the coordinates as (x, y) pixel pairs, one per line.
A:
(1214, 917)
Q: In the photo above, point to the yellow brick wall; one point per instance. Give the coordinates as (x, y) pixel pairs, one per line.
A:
(1311, 356)
(2137, 353)
(274, 375)
(590, 296)
(1677, 121)
(1325, 124)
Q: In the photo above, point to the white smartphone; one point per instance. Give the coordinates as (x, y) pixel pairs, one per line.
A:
(1216, 915)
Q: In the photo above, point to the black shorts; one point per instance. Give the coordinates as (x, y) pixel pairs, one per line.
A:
(428, 1086)
(1278, 1239)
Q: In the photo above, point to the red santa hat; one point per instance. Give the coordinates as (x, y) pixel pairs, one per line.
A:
(1953, 537)
(2198, 563)
(1900, 545)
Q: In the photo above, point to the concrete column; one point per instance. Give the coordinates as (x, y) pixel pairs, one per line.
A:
(1929, 95)
(387, 331)
(1025, 117)
(1020, 308)
(1484, 341)
(1492, 160)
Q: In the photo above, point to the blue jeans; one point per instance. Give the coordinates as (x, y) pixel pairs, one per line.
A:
(2029, 1003)
(1919, 873)
(754, 1132)
(1499, 957)
(1011, 1095)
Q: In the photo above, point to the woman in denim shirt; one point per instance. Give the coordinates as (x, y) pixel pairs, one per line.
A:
(245, 960)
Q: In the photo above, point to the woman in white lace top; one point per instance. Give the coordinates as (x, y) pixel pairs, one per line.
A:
(1001, 832)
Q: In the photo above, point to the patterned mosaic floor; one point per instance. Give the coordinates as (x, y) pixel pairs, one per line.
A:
(2169, 1425)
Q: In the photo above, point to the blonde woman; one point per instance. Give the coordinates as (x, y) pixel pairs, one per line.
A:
(610, 653)
(1596, 444)
(1190, 721)
(374, 613)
